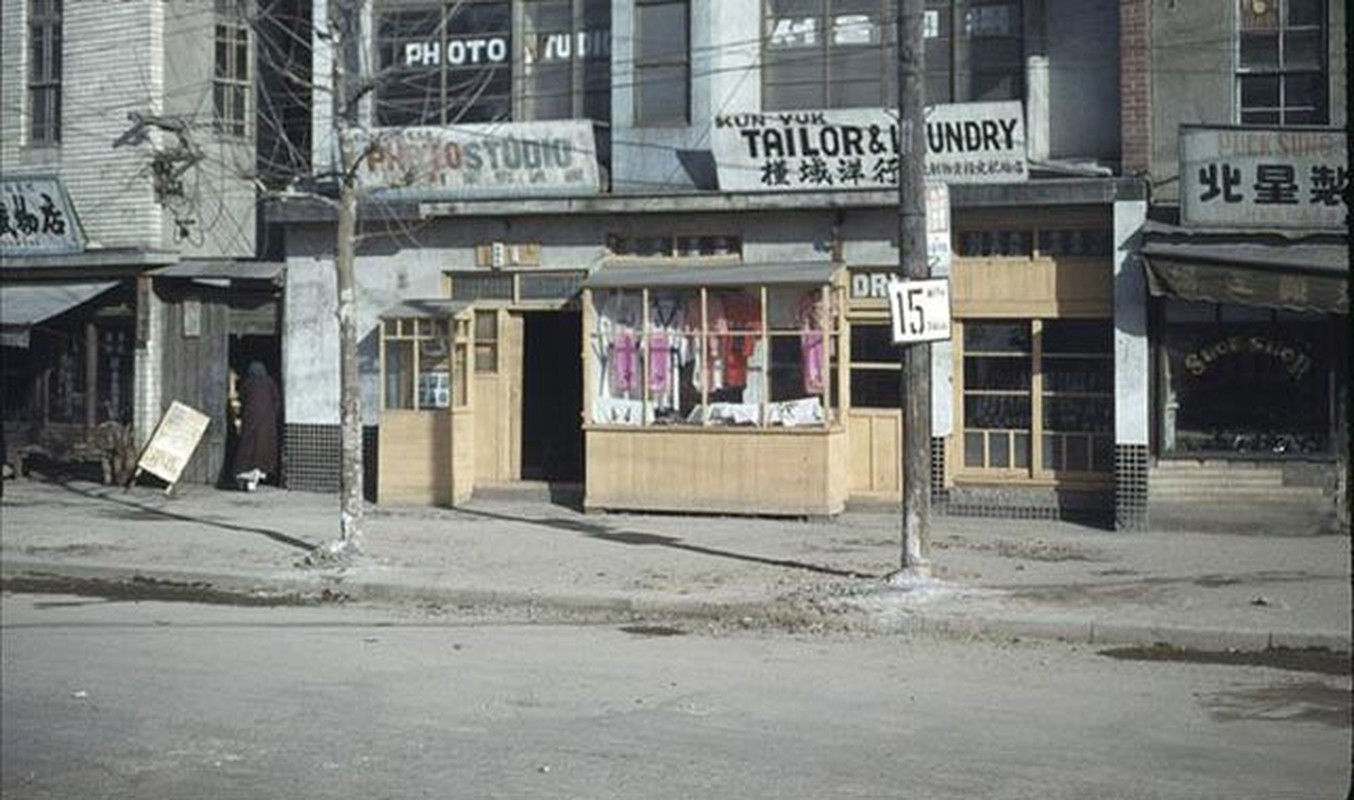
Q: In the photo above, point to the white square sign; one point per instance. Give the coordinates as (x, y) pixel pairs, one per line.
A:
(920, 310)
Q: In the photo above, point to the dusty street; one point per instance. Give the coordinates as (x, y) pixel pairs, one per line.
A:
(173, 700)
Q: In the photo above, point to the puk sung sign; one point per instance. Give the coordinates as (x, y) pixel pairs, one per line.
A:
(1263, 177)
(520, 159)
(858, 148)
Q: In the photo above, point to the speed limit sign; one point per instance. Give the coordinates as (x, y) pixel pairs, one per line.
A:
(920, 310)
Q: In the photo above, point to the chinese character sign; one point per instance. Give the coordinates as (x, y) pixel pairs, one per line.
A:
(858, 148)
(36, 218)
(1263, 178)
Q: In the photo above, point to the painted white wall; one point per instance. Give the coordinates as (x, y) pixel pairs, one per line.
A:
(1132, 367)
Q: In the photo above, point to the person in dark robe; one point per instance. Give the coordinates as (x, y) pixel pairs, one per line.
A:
(256, 451)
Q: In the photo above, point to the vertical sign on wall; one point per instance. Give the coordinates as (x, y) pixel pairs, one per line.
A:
(938, 257)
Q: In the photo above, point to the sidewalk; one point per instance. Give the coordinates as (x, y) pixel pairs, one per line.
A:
(516, 550)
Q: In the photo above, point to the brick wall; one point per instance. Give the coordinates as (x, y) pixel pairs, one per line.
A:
(1135, 89)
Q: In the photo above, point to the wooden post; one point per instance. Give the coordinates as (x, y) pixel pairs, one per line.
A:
(916, 358)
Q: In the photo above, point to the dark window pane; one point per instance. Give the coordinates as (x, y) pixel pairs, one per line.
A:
(1021, 444)
(1259, 91)
(1304, 90)
(1259, 50)
(1053, 452)
(661, 95)
(998, 451)
(1306, 12)
(876, 388)
(873, 343)
(1302, 49)
(996, 372)
(1080, 414)
(1259, 117)
(997, 337)
(997, 411)
(1078, 454)
(1078, 336)
(661, 31)
(973, 449)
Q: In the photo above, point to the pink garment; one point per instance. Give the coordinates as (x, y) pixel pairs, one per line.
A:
(625, 363)
(660, 364)
(811, 343)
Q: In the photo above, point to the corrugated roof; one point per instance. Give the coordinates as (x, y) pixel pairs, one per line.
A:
(425, 307)
(22, 307)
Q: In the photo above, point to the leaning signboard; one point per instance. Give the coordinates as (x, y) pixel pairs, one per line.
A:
(857, 148)
(173, 442)
(1263, 177)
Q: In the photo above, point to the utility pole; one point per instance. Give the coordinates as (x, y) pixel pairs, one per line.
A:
(916, 357)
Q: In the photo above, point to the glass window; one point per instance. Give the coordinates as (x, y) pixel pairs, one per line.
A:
(566, 59)
(486, 341)
(1281, 62)
(876, 367)
(974, 51)
(827, 54)
(662, 62)
(719, 357)
(231, 78)
(443, 63)
(417, 364)
(1046, 381)
(44, 72)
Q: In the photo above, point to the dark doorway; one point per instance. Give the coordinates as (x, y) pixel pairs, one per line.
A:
(552, 397)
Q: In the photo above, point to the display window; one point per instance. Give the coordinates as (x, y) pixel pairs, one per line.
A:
(1244, 381)
(763, 355)
(419, 357)
(1038, 396)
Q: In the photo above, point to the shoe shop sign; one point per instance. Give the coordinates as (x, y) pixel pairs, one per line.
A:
(1263, 178)
(519, 159)
(858, 148)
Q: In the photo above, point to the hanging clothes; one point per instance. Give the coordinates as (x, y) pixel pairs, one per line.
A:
(740, 326)
(811, 350)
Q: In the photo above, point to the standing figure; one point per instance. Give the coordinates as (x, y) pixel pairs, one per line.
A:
(256, 452)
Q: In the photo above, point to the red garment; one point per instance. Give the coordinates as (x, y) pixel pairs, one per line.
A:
(742, 320)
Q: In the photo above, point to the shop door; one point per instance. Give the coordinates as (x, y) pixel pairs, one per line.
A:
(552, 397)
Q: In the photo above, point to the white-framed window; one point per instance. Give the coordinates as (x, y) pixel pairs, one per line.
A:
(423, 363)
(231, 78)
(1038, 396)
(827, 54)
(566, 60)
(1281, 62)
(662, 53)
(44, 72)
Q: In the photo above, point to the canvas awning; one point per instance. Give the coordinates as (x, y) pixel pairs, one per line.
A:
(22, 307)
(1299, 275)
(221, 271)
(620, 276)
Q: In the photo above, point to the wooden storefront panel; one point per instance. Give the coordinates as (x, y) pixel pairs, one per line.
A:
(498, 404)
(753, 471)
(416, 457)
(1007, 287)
(875, 439)
(194, 366)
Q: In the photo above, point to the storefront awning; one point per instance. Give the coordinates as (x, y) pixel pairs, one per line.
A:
(1296, 275)
(637, 277)
(22, 307)
(425, 308)
(222, 270)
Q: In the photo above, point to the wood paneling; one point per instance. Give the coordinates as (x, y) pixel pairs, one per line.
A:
(736, 471)
(194, 369)
(875, 440)
(416, 458)
(1013, 287)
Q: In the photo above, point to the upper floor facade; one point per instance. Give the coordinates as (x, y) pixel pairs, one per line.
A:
(143, 110)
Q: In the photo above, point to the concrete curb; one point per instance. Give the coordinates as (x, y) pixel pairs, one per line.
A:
(1081, 629)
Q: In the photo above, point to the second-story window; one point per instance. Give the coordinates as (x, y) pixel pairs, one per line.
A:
(1281, 64)
(974, 51)
(231, 80)
(827, 54)
(662, 62)
(443, 63)
(44, 72)
(566, 59)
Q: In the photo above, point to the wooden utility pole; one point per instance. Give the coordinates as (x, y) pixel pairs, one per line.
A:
(916, 358)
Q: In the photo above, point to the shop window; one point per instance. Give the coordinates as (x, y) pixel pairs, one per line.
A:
(1245, 381)
(717, 356)
(876, 368)
(1044, 381)
(566, 59)
(1281, 64)
(44, 72)
(827, 54)
(486, 342)
(231, 79)
(443, 63)
(674, 246)
(418, 355)
(662, 63)
(974, 51)
(1025, 243)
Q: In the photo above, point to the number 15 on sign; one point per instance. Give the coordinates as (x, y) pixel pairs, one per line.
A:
(920, 310)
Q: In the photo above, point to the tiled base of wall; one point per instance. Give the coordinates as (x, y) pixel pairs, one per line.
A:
(311, 455)
(1087, 508)
(1130, 487)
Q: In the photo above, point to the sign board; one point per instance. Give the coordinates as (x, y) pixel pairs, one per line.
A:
(1263, 177)
(173, 442)
(858, 148)
(511, 159)
(920, 310)
(37, 218)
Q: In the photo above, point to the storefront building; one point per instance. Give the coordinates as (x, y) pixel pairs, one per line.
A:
(682, 310)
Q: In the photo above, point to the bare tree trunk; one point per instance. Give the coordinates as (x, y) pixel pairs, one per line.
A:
(350, 381)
